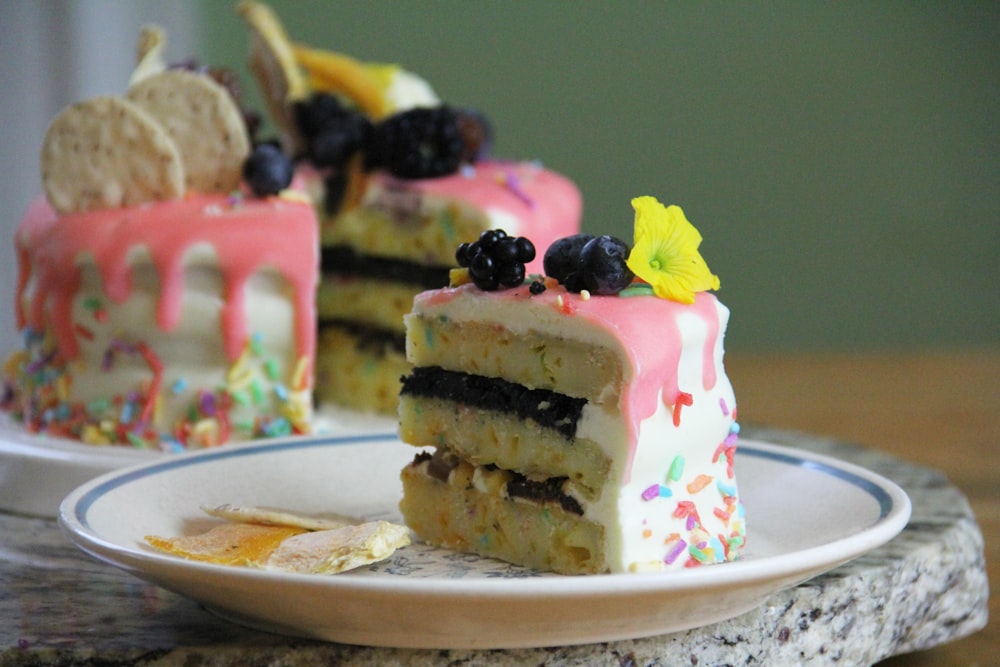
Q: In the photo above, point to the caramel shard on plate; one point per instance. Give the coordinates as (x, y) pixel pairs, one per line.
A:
(228, 543)
(287, 541)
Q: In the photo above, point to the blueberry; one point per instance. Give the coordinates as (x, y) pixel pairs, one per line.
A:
(563, 256)
(267, 171)
(574, 282)
(602, 265)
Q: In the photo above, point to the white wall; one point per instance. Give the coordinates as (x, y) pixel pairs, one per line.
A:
(52, 53)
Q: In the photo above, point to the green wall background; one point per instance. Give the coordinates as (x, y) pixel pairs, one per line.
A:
(840, 159)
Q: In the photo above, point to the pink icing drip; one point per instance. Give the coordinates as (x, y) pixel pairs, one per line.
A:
(649, 333)
(245, 238)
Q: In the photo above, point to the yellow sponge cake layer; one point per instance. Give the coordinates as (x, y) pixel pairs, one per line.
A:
(401, 239)
(468, 508)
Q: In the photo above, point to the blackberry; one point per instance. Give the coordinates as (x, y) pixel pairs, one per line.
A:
(495, 259)
(477, 135)
(510, 275)
(463, 253)
(334, 188)
(267, 171)
(315, 113)
(336, 143)
(491, 237)
(332, 132)
(481, 265)
(424, 142)
(525, 249)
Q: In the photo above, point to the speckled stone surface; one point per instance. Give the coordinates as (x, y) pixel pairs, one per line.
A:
(926, 587)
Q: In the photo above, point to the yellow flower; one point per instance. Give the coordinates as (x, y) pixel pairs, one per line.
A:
(665, 252)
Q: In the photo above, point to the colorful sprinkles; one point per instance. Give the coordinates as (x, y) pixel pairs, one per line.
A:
(37, 391)
(686, 498)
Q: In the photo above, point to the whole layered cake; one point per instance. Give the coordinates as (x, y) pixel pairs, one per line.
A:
(163, 302)
(399, 179)
(581, 421)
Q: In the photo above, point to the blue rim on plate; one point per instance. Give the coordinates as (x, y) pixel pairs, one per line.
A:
(842, 511)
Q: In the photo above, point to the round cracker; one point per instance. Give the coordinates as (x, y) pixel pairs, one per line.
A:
(275, 68)
(203, 121)
(106, 152)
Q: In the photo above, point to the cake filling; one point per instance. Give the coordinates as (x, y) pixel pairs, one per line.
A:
(442, 462)
(545, 407)
(368, 338)
(344, 260)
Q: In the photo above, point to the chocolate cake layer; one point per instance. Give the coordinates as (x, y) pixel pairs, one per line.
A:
(371, 339)
(545, 407)
(346, 261)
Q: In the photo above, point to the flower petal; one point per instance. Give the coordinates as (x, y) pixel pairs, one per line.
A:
(665, 252)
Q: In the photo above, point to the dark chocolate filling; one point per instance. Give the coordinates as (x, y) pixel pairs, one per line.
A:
(342, 260)
(548, 408)
(549, 490)
(442, 462)
(375, 340)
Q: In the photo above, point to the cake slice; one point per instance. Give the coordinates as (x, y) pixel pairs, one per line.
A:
(572, 431)
(399, 241)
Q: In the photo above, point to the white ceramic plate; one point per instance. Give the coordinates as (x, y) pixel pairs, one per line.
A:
(806, 514)
(37, 471)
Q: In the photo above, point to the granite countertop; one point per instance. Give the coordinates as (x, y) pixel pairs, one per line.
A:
(926, 587)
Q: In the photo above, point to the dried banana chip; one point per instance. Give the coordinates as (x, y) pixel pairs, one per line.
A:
(340, 549)
(149, 53)
(273, 517)
(277, 73)
(204, 122)
(107, 152)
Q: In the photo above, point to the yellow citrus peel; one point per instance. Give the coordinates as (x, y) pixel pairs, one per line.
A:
(337, 73)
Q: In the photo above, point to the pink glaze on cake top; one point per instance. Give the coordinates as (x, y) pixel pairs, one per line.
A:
(246, 235)
(648, 329)
(547, 204)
